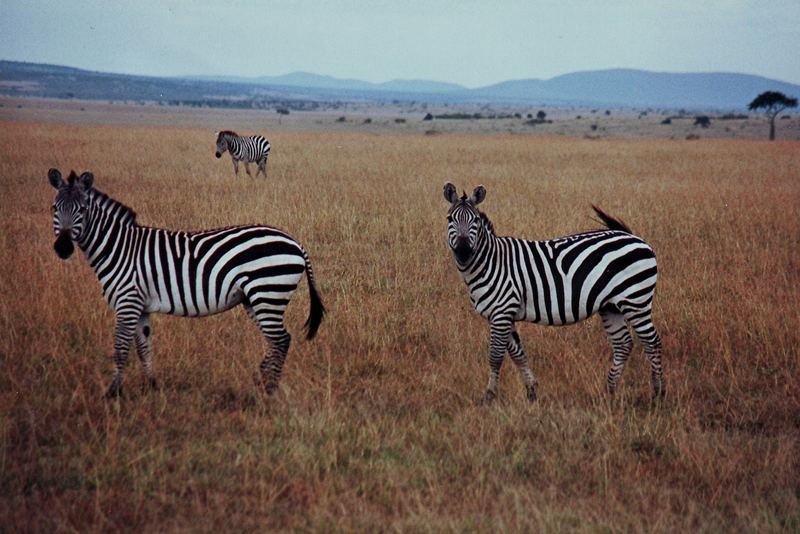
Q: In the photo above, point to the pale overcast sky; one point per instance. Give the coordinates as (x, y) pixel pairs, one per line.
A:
(468, 42)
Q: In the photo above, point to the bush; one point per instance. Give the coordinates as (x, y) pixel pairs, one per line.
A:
(341, 119)
(400, 121)
(281, 111)
(703, 121)
(541, 115)
(428, 117)
(668, 120)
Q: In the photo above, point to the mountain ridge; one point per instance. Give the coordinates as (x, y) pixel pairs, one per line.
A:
(608, 87)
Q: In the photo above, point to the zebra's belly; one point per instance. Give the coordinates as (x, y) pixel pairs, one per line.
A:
(195, 309)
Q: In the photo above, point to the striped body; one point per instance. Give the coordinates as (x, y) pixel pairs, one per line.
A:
(249, 149)
(555, 282)
(146, 270)
(561, 281)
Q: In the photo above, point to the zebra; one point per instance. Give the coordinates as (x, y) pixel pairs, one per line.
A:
(145, 270)
(555, 282)
(252, 149)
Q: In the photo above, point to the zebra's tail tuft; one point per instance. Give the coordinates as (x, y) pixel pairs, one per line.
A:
(612, 223)
(317, 311)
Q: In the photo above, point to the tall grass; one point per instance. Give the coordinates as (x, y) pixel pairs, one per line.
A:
(376, 424)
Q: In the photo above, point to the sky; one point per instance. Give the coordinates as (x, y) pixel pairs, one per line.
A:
(473, 43)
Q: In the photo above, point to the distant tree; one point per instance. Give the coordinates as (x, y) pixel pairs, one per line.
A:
(772, 102)
(702, 121)
(541, 115)
(282, 111)
(428, 117)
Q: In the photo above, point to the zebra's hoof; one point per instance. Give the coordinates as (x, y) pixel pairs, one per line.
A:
(488, 397)
(658, 396)
(271, 388)
(114, 391)
(530, 393)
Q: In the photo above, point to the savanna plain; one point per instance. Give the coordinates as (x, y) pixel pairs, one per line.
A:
(377, 424)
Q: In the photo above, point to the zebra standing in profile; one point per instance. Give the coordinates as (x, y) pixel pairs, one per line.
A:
(151, 270)
(252, 149)
(555, 282)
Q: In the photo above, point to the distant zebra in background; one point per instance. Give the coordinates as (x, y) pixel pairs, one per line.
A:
(555, 282)
(252, 149)
(150, 270)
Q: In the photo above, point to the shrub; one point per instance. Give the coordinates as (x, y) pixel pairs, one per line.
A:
(668, 120)
(703, 121)
(428, 117)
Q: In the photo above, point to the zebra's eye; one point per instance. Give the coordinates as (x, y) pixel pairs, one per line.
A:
(449, 218)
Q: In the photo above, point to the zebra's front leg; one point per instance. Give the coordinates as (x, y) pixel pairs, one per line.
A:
(235, 166)
(126, 325)
(264, 168)
(518, 357)
(247, 168)
(500, 330)
(144, 348)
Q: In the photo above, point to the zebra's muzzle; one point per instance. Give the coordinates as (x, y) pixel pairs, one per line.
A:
(462, 251)
(63, 245)
(218, 154)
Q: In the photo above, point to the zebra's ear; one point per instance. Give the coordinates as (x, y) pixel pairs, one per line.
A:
(54, 175)
(450, 193)
(478, 195)
(86, 180)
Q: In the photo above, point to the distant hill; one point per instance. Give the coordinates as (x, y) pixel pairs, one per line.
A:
(638, 88)
(303, 90)
(311, 80)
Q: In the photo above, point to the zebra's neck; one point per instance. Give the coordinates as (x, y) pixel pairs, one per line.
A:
(109, 225)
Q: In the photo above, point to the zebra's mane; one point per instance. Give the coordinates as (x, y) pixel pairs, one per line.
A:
(106, 202)
(228, 132)
(487, 223)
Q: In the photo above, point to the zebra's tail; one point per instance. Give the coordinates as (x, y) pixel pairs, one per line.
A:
(611, 223)
(317, 311)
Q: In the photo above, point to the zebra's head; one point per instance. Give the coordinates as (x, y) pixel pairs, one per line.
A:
(69, 209)
(222, 142)
(464, 222)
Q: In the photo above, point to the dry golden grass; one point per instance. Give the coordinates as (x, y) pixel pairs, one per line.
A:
(376, 424)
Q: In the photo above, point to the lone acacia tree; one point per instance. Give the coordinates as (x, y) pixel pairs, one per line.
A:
(772, 102)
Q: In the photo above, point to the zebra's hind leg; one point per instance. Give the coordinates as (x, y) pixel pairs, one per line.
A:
(144, 348)
(247, 168)
(127, 318)
(642, 323)
(500, 331)
(518, 357)
(621, 343)
(278, 339)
